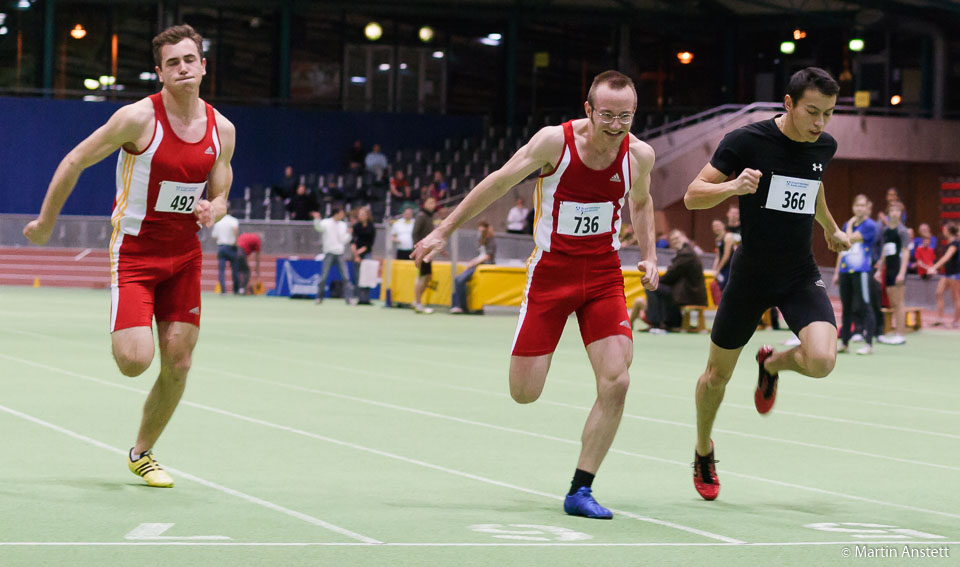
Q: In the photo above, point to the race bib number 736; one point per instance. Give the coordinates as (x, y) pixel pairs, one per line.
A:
(584, 219)
(177, 197)
(793, 194)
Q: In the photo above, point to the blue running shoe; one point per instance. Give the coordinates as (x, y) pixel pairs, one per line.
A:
(581, 503)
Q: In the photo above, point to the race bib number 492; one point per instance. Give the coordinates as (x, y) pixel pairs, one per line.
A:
(584, 219)
(793, 194)
(177, 197)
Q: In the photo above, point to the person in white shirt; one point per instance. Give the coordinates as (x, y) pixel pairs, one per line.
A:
(336, 236)
(225, 232)
(517, 218)
(402, 234)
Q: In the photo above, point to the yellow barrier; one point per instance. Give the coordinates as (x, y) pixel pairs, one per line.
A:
(492, 285)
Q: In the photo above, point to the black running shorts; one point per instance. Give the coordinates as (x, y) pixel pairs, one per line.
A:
(796, 289)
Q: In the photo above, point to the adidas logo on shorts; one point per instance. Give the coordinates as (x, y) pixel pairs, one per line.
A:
(615, 178)
(209, 151)
(625, 324)
(195, 311)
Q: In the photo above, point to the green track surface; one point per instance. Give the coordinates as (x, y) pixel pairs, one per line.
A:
(336, 435)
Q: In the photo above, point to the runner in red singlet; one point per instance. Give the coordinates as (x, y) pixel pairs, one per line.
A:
(172, 146)
(588, 167)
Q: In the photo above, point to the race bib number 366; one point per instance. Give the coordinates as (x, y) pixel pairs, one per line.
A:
(793, 194)
(584, 219)
(177, 197)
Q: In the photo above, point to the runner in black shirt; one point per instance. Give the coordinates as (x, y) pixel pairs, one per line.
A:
(775, 168)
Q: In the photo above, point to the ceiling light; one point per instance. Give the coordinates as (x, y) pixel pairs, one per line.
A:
(799, 34)
(426, 34)
(78, 32)
(787, 47)
(373, 31)
(91, 84)
(384, 67)
(438, 55)
(895, 100)
(685, 57)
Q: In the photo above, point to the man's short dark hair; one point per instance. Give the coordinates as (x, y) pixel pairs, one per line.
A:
(335, 209)
(811, 78)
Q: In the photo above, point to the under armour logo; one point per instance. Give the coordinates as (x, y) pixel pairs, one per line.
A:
(819, 283)
(615, 178)
(818, 167)
(209, 151)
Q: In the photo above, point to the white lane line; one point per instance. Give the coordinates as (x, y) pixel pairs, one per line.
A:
(570, 406)
(580, 408)
(82, 255)
(315, 364)
(569, 441)
(899, 542)
(566, 405)
(343, 444)
(253, 499)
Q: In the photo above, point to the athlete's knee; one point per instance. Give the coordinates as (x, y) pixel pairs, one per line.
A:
(613, 389)
(132, 367)
(715, 376)
(819, 364)
(524, 393)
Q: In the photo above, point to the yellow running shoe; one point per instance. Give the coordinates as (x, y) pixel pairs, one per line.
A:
(151, 471)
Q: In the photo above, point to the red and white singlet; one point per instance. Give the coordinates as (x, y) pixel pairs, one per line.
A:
(154, 251)
(578, 208)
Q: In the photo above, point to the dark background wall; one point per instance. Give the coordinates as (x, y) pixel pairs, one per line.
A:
(35, 134)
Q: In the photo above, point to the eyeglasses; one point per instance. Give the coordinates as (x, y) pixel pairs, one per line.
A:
(608, 117)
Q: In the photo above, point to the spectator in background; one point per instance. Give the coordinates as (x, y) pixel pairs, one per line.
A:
(375, 163)
(287, 185)
(531, 220)
(302, 204)
(354, 158)
(892, 196)
(682, 284)
(662, 240)
(336, 236)
(486, 255)
(517, 217)
(401, 232)
(400, 189)
(893, 266)
(364, 235)
(852, 274)
(422, 226)
(733, 223)
(627, 238)
(225, 232)
(249, 243)
(924, 251)
(950, 262)
(440, 189)
(726, 243)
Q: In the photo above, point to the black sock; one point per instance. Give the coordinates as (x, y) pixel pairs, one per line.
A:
(581, 478)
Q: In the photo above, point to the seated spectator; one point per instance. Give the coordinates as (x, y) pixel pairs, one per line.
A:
(682, 284)
(486, 255)
(400, 189)
(287, 185)
(249, 243)
(375, 163)
(517, 217)
(353, 159)
(440, 190)
(401, 232)
(302, 205)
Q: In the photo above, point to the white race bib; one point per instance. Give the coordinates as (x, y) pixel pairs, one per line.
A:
(177, 197)
(890, 249)
(793, 194)
(585, 219)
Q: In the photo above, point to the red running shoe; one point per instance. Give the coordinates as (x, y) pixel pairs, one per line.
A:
(705, 475)
(766, 392)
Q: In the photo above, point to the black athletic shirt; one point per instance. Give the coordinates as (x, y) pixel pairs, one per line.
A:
(773, 236)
